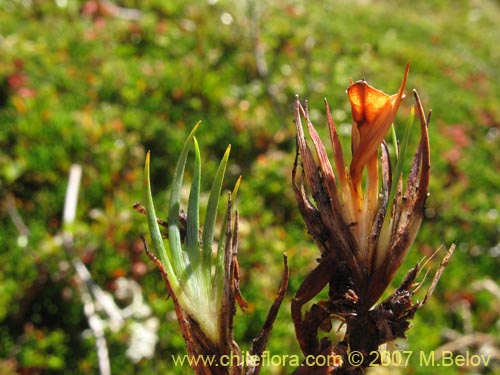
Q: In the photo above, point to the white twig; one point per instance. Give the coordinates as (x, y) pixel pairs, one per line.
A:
(95, 300)
(15, 217)
(96, 326)
(71, 199)
(83, 276)
(463, 342)
(487, 284)
(105, 301)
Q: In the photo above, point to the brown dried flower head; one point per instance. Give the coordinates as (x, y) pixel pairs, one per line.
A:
(361, 216)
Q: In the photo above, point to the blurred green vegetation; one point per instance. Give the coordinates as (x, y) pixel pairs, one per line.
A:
(87, 86)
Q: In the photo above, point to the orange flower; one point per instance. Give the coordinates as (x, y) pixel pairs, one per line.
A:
(373, 112)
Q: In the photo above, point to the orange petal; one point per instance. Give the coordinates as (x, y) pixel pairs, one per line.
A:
(366, 102)
(373, 112)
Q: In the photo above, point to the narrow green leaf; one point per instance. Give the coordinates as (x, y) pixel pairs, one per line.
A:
(385, 232)
(154, 230)
(211, 215)
(219, 265)
(236, 188)
(394, 141)
(402, 153)
(398, 170)
(174, 236)
(193, 213)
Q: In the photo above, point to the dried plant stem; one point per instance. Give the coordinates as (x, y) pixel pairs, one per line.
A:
(83, 278)
(95, 322)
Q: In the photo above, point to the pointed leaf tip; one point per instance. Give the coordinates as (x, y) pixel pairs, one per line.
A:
(236, 188)
(211, 213)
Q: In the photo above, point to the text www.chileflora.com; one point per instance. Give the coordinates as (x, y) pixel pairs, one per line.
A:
(247, 359)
